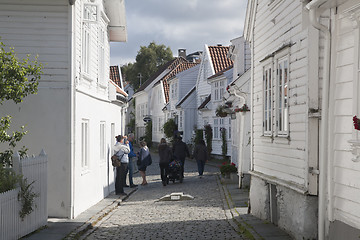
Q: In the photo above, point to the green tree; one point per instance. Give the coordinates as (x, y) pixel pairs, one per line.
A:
(17, 80)
(169, 129)
(148, 133)
(147, 62)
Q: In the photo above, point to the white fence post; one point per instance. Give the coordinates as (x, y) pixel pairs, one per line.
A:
(16, 162)
(11, 225)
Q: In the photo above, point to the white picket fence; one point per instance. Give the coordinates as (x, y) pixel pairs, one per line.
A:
(11, 225)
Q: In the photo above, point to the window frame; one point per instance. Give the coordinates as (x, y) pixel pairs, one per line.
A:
(102, 141)
(282, 105)
(85, 144)
(268, 98)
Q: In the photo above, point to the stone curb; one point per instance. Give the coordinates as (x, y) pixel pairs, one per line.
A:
(231, 212)
(83, 231)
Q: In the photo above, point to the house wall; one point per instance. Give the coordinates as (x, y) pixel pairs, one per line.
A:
(344, 104)
(158, 116)
(96, 181)
(203, 89)
(42, 27)
(141, 102)
(190, 113)
(279, 161)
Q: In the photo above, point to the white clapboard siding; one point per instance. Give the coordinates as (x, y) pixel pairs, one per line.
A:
(346, 185)
(281, 158)
(34, 169)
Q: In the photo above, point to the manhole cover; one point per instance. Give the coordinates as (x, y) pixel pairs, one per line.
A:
(176, 197)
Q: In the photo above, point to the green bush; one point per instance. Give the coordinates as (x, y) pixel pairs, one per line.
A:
(169, 129)
(227, 168)
(8, 179)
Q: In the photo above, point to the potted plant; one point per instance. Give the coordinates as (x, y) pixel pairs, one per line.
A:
(227, 168)
(221, 111)
(356, 123)
(244, 108)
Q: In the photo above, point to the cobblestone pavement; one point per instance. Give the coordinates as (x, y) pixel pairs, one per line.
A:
(142, 216)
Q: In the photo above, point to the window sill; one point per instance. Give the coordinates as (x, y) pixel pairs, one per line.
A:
(267, 139)
(85, 171)
(282, 140)
(86, 77)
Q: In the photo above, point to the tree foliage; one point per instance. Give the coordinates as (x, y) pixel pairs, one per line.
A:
(18, 78)
(170, 128)
(147, 62)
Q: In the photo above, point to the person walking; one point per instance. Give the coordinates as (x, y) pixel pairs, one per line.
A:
(121, 149)
(180, 151)
(165, 158)
(131, 155)
(201, 156)
(144, 154)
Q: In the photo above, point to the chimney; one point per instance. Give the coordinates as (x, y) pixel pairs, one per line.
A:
(219, 45)
(182, 52)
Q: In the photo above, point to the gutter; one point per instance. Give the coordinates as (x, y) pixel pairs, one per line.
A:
(313, 6)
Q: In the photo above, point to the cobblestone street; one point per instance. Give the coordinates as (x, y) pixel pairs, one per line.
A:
(142, 216)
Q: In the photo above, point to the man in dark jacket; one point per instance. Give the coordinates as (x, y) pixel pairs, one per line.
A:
(180, 152)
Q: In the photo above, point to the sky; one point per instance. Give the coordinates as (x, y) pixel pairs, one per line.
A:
(188, 24)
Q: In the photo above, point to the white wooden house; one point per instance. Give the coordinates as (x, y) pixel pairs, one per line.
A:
(182, 104)
(213, 60)
(304, 85)
(77, 112)
(220, 125)
(238, 95)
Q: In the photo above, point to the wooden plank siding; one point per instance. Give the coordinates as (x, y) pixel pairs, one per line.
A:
(39, 30)
(346, 178)
(282, 158)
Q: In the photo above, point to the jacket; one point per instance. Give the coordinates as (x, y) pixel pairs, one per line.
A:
(180, 150)
(131, 153)
(165, 153)
(200, 153)
(122, 151)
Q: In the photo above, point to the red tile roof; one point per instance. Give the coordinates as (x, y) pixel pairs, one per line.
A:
(219, 57)
(115, 75)
(181, 66)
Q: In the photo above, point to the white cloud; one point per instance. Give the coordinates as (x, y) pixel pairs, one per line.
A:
(179, 24)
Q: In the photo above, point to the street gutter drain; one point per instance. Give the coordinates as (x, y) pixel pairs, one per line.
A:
(179, 196)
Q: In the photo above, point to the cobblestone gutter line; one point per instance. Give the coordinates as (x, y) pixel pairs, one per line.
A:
(231, 213)
(84, 230)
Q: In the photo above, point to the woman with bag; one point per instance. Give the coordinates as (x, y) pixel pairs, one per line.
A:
(165, 155)
(143, 161)
(121, 149)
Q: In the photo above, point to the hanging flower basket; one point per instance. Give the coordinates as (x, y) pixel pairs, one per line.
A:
(356, 123)
(244, 108)
(221, 111)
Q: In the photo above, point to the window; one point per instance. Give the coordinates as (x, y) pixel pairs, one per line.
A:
(90, 13)
(216, 128)
(181, 120)
(267, 104)
(276, 96)
(282, 112)
(102, 141)
(85, 60)
(85, 143)
(174, 90)
(101, 44)
(219, 90)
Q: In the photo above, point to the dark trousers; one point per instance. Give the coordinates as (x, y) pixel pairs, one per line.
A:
(164, 169)
(131, 170)
(120, 179)
(182, 166)
(201, 165)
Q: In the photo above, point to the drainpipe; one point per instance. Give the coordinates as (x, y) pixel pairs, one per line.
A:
(323, 150)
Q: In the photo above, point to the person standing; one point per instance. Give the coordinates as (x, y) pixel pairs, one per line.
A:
(131, 164)
(180, 151)
(165, 158)
(121, 149)
(143, 155)
(201, 156)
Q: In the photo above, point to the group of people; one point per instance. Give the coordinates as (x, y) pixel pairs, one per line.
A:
(125, 151)
(179, 151)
